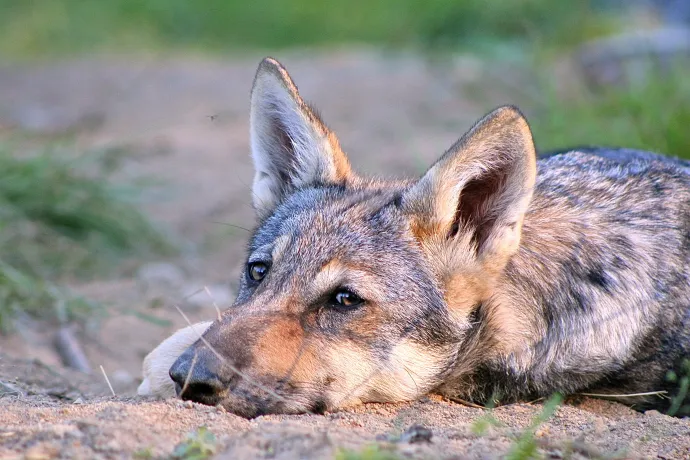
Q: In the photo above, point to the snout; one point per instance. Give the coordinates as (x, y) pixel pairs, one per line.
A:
(198, 377)
(251, 368)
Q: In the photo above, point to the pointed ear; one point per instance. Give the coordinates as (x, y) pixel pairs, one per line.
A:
(291, 146)
(480, 188)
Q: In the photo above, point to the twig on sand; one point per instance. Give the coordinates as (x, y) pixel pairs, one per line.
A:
(464, 403)
(661, 394)
(71, 351)
(7, 388)
(107, 380)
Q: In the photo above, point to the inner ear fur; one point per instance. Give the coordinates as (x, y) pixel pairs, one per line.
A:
(474, 198)
(291, 146)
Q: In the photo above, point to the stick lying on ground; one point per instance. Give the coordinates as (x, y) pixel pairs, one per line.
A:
(71, 351)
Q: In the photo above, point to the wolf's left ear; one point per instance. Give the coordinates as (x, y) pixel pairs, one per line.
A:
(291, 146)
(480, 188)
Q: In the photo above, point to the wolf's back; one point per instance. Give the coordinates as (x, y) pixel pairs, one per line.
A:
(611, 231)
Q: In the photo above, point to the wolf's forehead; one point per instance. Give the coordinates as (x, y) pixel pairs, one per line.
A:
(317, 216)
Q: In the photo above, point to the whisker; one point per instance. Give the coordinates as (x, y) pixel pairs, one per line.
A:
(213, 301)
(231, 225)
(189, 373)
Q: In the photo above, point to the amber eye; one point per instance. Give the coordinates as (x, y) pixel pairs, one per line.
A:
(347, 299)
(257, 270)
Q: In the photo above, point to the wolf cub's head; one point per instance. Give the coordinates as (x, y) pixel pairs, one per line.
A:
(358, 290)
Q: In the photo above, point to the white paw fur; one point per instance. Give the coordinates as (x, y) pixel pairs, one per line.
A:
(157, 381)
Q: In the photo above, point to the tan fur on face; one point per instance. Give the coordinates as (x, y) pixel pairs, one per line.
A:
(157, 364)
(411, 372)
(350, 371)
(279, 247)
(463, 291)
(407, 373)
(330, 276)
(283, 351)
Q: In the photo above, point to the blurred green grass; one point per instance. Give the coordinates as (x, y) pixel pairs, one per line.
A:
(649, 113)
(59, 220)
(62, 219)
(39, 28)
(652, 114)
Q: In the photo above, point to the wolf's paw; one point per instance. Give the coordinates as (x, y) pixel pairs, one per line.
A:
(157, 381)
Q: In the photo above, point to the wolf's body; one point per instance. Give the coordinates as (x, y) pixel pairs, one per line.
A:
(604, 261)
(493, 275)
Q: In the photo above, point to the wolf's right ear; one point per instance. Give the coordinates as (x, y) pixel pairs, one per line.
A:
(480, 188)
(291, 146)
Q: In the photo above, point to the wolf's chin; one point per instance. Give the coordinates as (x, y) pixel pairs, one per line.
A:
(248, 409)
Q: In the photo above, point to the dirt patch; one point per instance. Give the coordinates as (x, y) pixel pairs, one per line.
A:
(43, 427)
(183, 121)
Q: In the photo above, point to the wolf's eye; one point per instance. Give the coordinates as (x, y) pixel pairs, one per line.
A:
(257, 270)
(347, 299)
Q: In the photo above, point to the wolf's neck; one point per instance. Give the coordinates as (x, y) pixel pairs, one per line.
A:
(576, 292)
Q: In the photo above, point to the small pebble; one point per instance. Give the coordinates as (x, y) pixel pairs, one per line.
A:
(416, 434)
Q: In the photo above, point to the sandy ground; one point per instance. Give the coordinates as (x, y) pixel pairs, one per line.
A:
(183, 121)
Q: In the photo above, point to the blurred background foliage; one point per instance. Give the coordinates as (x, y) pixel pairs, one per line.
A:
(66, 26)
(59, 219)
(533, 35)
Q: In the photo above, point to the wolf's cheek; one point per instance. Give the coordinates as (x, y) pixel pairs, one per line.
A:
(306, 367)
(284, 352)
(407, 371)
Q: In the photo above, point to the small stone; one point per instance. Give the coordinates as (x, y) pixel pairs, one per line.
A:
(112, 446)
(416, 434)
(78, 401)
(188, 404)
(41, 452)
(543, 431)
(599, 426)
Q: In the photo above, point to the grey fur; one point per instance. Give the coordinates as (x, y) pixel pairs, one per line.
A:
(596, 289)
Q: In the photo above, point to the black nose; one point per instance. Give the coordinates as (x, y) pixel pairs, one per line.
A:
(196, 378)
